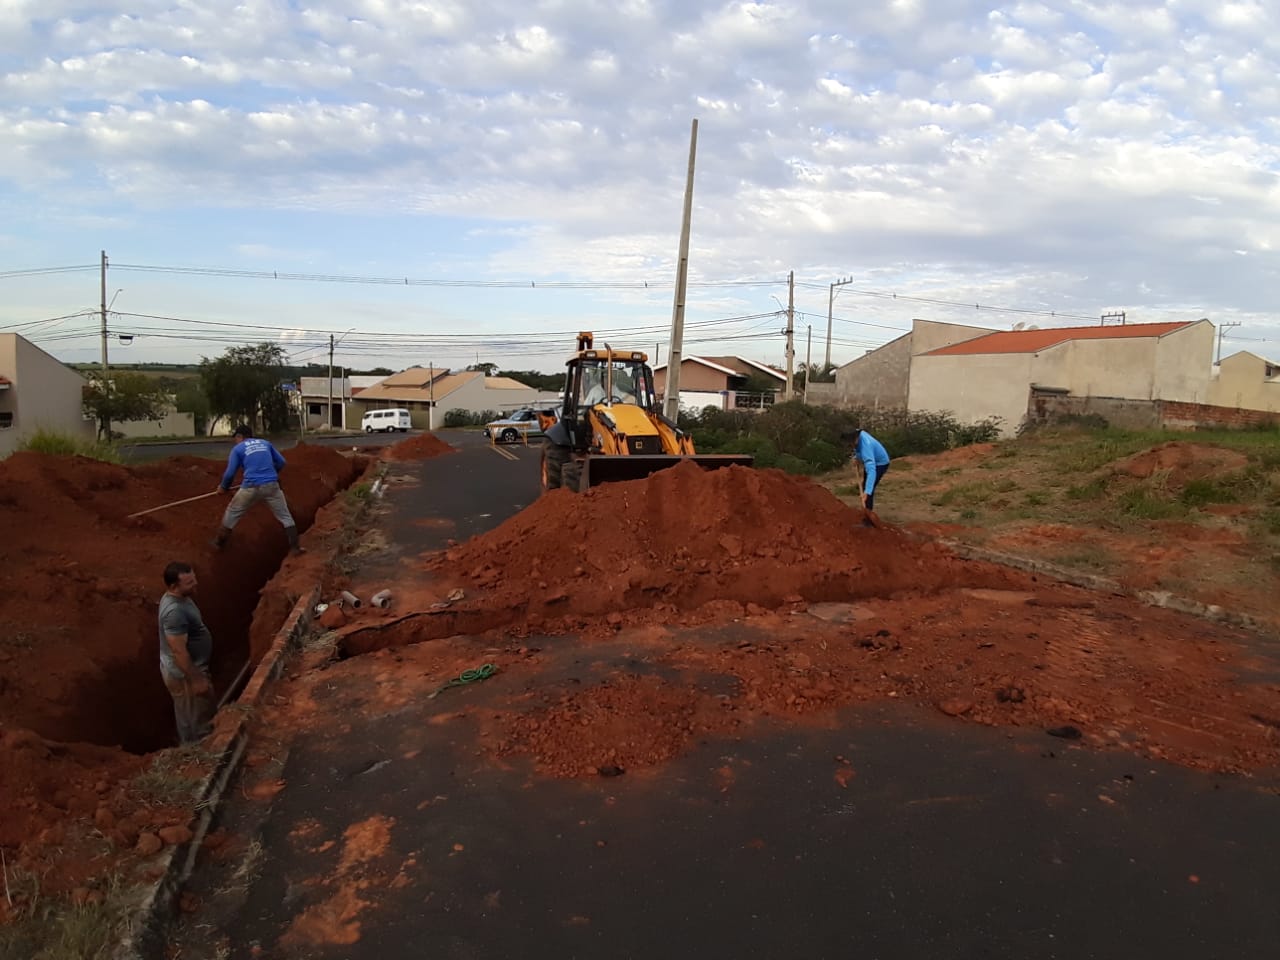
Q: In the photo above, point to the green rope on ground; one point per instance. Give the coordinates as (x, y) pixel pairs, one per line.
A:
(475, 675)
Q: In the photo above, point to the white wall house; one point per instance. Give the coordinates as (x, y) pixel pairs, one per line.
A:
(37, 392)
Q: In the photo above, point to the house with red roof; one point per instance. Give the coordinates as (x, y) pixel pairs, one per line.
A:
(994, 375)
(880, 378)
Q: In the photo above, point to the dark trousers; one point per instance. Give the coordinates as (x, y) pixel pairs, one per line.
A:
(881, 470)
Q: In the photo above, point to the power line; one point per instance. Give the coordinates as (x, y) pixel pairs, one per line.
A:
(956, 303)
(405, 281)
(45, 271)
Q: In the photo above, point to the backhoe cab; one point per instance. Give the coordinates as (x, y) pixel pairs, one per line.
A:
(610, 426)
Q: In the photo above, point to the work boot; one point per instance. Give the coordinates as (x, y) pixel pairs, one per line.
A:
(220, 538)
(294, 547)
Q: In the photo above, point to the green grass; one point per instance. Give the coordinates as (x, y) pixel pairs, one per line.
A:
(54, 443)
(1139, 503)
(56, 929)
(1095, 489)
(846, 490)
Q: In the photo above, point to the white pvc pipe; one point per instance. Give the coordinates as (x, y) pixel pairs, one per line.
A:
(381, 599)
(350, 598)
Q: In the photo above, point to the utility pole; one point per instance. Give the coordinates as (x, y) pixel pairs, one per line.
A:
(1222, 328)
(791, 333)
(329, 417)
(431, 396)
(106, 370)
(675, 353)
(831, 302)
(808, 364)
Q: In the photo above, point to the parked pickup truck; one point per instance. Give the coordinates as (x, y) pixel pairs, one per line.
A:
(522, 423)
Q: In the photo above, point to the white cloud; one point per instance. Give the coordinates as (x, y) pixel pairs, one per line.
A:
(1030, 145)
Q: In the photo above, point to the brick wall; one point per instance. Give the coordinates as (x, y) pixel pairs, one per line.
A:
(1045, 408)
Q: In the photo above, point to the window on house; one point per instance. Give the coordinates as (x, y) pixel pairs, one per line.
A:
(1272, 370)
(6, 419)
(315, 409)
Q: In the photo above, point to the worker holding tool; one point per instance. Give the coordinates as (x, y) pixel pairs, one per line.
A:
(873, 461)
(261, 463)
(186, 647)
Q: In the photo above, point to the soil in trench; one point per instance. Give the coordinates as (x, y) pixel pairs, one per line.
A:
(80, 694)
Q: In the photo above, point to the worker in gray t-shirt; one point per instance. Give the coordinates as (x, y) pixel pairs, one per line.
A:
(186, 648)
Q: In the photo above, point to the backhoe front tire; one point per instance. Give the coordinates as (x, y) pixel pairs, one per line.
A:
(554, 459)
(571, 477)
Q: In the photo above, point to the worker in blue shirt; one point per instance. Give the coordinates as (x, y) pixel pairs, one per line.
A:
(261, 463)
(871, 455)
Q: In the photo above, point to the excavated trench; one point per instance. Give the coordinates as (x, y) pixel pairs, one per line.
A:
(79, 639)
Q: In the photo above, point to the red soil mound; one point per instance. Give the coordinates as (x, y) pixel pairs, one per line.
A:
(78, 658)
(422, 447)
(687, 536)
(1183, 462)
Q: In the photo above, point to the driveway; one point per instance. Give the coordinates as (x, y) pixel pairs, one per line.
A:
(386, 829)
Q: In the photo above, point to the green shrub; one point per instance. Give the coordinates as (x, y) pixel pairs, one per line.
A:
(59, 444)
(458, 417)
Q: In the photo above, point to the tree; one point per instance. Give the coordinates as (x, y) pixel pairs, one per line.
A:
(189, 398)
(244, 384)
(546, 382)
(124, 397)
(817, 373)
(488, 369)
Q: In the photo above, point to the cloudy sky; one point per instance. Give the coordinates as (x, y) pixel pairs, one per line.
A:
(522, 166)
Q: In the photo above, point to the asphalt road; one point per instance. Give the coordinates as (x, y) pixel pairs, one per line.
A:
(218, 449)
(950, 841)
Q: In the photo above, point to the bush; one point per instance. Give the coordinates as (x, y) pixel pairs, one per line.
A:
(807, 439)
(68, 445)
(458, 417)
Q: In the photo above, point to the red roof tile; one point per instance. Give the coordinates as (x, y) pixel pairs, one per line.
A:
(1033, 341)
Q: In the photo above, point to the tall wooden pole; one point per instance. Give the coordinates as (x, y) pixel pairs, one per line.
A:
(675, 353)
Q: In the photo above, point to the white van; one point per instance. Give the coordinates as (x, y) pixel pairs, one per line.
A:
(397, 418)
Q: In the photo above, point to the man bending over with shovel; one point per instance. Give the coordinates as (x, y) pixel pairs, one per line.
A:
(873, 460)
(261, 463)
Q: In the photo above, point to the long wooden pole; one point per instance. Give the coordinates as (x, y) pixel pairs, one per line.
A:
(178, 503)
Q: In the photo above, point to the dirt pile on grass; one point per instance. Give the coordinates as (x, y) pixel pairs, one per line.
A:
(686, 537)
(422, 447)
(1181, 462)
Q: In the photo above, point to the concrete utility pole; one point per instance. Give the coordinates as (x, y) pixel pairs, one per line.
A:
(831, 302)
(106, 378)
(791, 333)
(675, 353)
(1222, 328)
(431, 396)
(808, 364)
(329, 418)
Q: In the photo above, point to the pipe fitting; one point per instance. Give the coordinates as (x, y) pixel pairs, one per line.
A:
(350, 599)
(381, 599)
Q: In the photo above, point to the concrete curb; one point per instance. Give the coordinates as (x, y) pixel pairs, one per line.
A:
(1154, 598)
(146, 939)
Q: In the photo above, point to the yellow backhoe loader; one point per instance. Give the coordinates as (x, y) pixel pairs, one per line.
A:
(610, 426)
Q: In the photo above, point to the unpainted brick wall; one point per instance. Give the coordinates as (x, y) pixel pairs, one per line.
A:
(1144, 414)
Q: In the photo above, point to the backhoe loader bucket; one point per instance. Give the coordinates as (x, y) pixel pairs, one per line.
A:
(598, 469)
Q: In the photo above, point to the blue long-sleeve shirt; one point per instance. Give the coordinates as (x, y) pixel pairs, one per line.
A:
(872, 454)
(260, 461)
